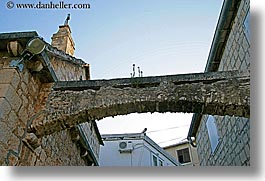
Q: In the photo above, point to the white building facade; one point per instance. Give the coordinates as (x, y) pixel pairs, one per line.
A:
(133, 150)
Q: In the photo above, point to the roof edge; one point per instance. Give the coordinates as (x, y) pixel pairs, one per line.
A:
(144, 137)
(97, 133)
(222, 31)
(178, 144)
(194, 125)
(49, 48)
(15, 35)
(161, 150)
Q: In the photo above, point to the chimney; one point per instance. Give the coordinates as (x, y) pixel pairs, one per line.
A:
(63, 40)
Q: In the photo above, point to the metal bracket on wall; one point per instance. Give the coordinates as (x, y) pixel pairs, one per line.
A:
(49, 66)
(18, 64)
(25, 55)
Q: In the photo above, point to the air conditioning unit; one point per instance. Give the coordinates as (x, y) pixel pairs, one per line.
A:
(125, 146)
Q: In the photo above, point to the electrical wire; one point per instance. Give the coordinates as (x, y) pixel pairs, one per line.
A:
(168, 128)
(170, 140)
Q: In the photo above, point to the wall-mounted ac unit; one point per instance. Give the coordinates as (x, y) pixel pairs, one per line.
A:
(125, 146)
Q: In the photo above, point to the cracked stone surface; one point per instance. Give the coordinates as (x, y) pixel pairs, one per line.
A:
(215, 93)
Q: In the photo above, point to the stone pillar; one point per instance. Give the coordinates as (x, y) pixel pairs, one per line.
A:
(63, 40)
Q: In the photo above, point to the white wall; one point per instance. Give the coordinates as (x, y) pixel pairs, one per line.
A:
(141, 155)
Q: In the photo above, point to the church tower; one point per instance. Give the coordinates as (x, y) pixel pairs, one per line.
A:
(63, 40)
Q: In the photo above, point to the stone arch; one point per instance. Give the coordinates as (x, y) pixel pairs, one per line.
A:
(215, 93)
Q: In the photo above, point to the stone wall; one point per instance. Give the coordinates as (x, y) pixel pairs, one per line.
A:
(234, 132)
(18, 95)
(56, 150)
(236, 54)
(67, 71)
(22, 101)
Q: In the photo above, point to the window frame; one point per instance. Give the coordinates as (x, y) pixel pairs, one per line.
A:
(154, 160)
(158, 162)
(183, 154)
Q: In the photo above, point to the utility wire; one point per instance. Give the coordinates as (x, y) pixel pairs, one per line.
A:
(170, 140)
(168, 128)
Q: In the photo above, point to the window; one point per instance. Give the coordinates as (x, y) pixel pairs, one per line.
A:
(160, 163)
(212, 132)
(183, 155)
(247, 26)
(156, 161)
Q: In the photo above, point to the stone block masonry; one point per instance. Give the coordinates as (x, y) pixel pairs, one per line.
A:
(17, 98)
(22, 102)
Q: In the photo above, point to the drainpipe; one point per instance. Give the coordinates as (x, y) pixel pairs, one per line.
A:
(223, 27)
(191, 142)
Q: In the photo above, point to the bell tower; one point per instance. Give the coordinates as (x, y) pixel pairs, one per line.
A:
(63, 40)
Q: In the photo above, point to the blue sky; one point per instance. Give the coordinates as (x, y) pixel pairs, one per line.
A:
(161, 36)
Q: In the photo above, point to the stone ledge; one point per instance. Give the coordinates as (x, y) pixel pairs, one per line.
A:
(154, 81)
